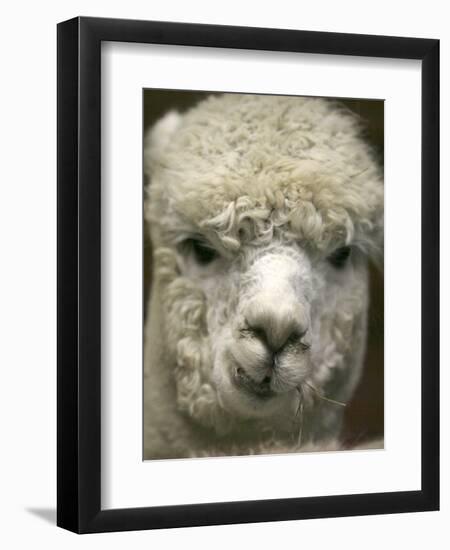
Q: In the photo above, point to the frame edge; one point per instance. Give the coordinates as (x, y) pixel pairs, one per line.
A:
(67, 276)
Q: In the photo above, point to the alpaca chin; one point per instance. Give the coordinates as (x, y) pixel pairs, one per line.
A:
(239, 402)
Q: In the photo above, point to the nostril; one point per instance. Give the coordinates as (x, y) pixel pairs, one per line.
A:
(266, 380)
(259, 332)
(295, 338)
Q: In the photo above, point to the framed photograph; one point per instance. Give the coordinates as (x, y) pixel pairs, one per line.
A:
(248, 289)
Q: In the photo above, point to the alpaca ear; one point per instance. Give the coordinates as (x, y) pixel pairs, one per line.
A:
(157, 138)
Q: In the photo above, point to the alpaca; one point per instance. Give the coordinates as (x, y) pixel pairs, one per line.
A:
(263, 213)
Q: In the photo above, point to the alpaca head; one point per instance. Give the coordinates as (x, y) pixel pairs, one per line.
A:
(263, 211)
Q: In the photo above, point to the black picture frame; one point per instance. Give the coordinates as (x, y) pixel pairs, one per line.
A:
(79, 275)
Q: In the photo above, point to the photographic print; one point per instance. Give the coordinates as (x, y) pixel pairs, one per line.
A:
(263, 274)
(221, 274)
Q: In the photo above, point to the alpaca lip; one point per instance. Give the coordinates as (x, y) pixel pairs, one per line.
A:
(259, 389)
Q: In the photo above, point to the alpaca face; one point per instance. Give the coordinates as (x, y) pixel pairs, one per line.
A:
(278, 321)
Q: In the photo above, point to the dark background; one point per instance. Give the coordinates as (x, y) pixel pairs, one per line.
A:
(364, 418)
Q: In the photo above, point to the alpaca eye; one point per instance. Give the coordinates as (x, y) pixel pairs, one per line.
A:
(203, 253)
(339, 257)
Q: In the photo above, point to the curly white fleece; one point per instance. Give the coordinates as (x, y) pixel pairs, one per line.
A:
(253, 173)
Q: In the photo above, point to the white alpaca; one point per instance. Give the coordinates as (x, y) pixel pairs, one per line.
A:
(263, 212)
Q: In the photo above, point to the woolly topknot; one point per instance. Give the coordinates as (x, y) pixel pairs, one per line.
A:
(242, 165)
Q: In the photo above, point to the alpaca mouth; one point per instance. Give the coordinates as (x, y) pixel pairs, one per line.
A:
(258, 389)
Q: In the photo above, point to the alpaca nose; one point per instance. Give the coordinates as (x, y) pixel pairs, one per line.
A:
(277, 324)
